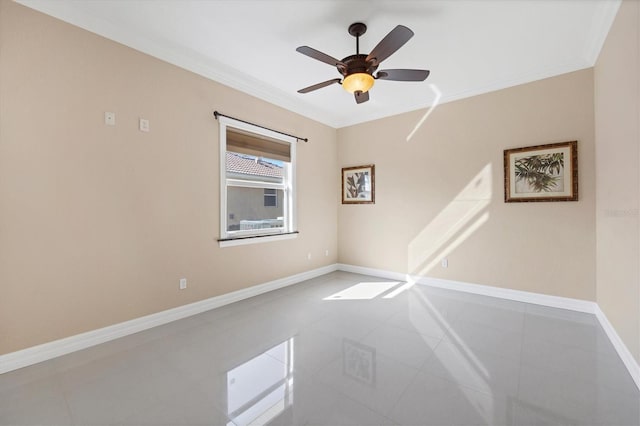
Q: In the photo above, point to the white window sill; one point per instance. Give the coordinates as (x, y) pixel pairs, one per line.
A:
(257, 239)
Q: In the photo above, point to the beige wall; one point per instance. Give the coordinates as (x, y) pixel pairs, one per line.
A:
(98, 223)
(440, 194)
(617, 122)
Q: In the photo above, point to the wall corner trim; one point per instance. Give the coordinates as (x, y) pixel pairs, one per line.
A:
(46, 351)
(520, 296)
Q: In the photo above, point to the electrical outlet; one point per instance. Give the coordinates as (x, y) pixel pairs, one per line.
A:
(445, 263)
(143, 125)
(110, 118)
(308, 256)
(183, 283)
(326, 252)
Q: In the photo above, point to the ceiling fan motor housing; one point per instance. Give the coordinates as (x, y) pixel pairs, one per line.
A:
(356, 64)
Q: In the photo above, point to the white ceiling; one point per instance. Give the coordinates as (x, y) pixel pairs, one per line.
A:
(471, 46)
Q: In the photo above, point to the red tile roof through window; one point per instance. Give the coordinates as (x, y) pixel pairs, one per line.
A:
(238, 163)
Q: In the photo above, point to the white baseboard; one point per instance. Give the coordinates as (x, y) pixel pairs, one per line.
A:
(502, 293)
(624, 353)
(373, 272)
(520, 296)
(35, 354)
(516, 295)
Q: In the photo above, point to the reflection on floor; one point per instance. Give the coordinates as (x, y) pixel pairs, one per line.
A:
(341, 349)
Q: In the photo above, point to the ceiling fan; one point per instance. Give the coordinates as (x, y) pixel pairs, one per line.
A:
(357, 70)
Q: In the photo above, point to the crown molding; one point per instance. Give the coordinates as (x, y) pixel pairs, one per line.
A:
(238, 80)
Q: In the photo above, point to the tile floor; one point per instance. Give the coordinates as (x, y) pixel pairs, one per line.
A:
(341, 349)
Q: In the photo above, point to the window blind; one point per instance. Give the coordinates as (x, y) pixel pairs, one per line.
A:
(257, 145)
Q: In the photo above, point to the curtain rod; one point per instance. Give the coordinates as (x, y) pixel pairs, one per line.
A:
(216, 114)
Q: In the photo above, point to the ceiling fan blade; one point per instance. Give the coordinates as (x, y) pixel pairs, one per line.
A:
(318, 55)
(403, 75)
(361, 96)
(319, 85)
(390, 43)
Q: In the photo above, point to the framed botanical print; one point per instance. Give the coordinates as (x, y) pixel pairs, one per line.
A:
(541, 173)
(358, 185)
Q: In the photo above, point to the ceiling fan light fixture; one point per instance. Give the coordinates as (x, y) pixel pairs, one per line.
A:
(358, 69)
(360, 81)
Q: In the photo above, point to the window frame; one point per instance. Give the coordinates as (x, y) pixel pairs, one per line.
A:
(288, 186)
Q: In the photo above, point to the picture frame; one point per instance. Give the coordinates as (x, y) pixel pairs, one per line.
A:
(541, 173)
(358, 184)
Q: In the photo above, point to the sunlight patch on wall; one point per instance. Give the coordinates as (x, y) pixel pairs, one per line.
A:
(453, 225)
(363, 291)
(426, 115)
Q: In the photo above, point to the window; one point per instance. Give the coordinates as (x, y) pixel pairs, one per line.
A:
(257, 183)
(270, 198)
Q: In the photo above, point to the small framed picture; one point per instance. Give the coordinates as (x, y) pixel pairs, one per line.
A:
(358, 185)
(541, 173)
